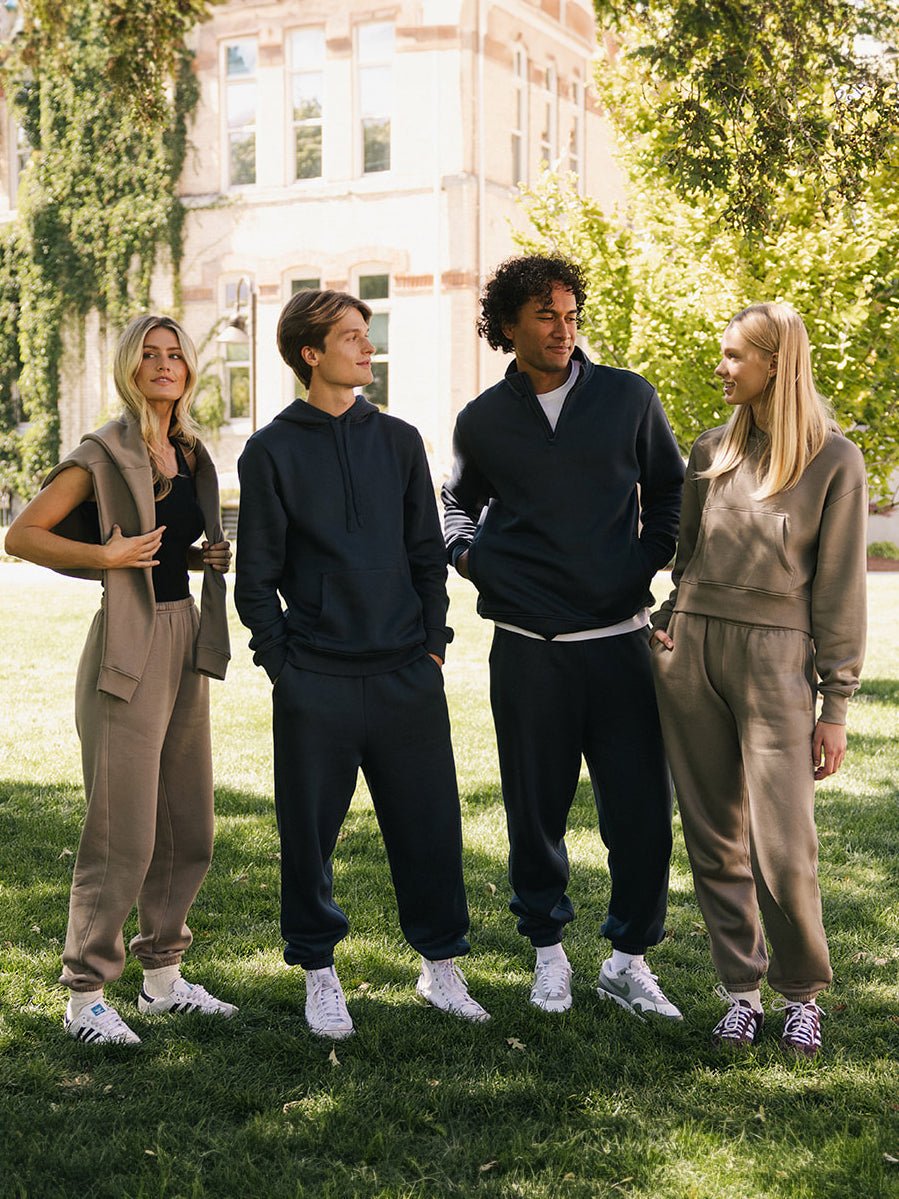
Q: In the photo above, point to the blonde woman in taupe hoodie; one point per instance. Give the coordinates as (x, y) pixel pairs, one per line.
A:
(767, 613)
(126, 507)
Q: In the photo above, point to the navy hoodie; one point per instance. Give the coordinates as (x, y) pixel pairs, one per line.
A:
(564, 529)
(338, 519)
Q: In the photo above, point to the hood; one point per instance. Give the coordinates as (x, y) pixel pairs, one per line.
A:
(302, 413)
(341, 427)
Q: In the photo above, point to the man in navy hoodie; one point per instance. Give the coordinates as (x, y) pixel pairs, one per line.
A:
(562, 504)
(338, 520)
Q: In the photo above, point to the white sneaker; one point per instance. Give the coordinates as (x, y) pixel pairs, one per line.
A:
(97, 1024)
(637, 989)
(551, 991)
(326, 1010)
(443, 985)
(184, 997)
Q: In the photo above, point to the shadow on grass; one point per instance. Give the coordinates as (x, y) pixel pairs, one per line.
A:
(418, 1102)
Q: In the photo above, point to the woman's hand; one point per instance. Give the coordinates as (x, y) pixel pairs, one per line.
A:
(121, 552)
(830, 741)
(217, 554)
(661, 636)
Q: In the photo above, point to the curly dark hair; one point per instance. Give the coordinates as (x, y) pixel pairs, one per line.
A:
(518, 280)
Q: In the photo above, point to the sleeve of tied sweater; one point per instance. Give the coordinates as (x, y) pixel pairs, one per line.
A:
(425, 551)
(661, 484)
(464, 496)
(690, 516)
(261, 539)
(839, 620)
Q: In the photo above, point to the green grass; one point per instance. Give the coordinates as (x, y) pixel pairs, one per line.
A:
(591, 1104)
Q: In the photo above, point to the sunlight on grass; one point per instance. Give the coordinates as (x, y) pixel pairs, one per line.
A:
(418, 1106)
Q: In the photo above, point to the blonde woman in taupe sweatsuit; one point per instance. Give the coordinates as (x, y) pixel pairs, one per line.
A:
(767, 613)
(126, 507)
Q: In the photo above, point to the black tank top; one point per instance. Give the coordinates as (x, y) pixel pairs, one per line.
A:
(183, 520)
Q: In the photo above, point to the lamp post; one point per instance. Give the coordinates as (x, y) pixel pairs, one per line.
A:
(241, 330)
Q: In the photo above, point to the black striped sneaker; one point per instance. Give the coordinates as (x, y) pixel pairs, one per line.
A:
(184, 998)
(100, 1024)
(802, 1028)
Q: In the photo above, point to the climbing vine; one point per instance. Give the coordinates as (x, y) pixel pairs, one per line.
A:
(104, 90)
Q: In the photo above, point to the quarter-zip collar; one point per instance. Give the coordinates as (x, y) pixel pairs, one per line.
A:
(520, 382)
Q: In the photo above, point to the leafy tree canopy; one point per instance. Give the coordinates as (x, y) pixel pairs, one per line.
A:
(740, 96)
(665, 284)
(103, 89)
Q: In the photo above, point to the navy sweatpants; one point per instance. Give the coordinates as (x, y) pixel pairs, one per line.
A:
(395, 728)
(554, 701)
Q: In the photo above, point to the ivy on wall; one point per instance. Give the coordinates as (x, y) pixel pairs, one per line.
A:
(104, 90)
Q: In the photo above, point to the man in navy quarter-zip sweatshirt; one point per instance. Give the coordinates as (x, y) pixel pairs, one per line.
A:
(341, 578)
(562, 504)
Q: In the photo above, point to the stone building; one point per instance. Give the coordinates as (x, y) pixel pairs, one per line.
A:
(372, 147)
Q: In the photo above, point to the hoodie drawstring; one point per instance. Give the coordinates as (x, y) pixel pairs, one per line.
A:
(341, 430)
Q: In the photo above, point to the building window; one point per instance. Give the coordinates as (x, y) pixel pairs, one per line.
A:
(574, 140)
(375, 291)
(240, 111)
(520, 118)
(307, 61)
(374, 49)
(237, 364)
(549, 133)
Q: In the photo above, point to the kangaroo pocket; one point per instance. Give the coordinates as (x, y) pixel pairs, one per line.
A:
(367, 611)
(744, 548)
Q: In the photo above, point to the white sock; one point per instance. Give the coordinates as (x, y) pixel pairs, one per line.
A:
(621, 961)
(158, 983)
(551, 953)
(78, 1000)
(753, 998)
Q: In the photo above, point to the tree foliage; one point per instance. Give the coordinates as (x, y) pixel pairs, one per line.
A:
(664, 285)
(740, 96)
(104, 90)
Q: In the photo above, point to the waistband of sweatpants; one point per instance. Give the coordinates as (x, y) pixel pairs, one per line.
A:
(175, 605)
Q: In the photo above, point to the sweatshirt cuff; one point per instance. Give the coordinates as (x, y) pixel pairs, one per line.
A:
(456, 550)
(835, 708)
(436, 641)
(272, 660)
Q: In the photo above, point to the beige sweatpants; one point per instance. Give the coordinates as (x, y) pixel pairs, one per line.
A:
(737, 706)
(148, 830)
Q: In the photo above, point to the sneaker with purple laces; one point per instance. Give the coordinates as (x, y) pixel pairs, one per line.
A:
(802, 1027)
(740, 1025)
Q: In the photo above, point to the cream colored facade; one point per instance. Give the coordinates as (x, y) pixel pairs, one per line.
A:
(470, 96)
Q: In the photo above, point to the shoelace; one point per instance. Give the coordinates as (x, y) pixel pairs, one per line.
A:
(738, 1020)
(192, 996)
(330, 999)
(649, 980)
(554, 976)
(453, 983)
(110, 1023)
(802, 1023)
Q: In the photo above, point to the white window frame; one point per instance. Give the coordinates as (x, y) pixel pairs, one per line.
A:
(549, 132)
(521, 117)
(297, 71)
(379, 307)
(374, 63)
(248, 128)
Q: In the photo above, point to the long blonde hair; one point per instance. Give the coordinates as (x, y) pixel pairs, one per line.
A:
(797, 416)
(126, 363)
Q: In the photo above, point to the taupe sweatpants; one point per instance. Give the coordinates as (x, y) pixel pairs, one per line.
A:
(148, 829)
(737, 706)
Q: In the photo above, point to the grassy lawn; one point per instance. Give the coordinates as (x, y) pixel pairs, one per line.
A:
(595, 1103)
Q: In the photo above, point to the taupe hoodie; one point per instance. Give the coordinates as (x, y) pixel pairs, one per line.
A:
(795, 560)
(117, 459)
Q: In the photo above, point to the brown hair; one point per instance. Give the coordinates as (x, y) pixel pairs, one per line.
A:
(306, 319)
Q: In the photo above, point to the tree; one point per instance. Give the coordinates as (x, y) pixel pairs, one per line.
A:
(104, 90)
(737, 97)
(663, 286)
